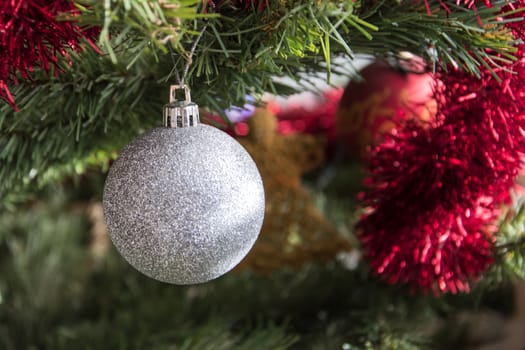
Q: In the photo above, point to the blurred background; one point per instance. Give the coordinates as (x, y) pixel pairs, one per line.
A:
(389, 139)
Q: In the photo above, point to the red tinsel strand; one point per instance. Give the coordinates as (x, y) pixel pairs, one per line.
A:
(418, 230)
(489, 116)
(517, 27)
(439, 250)
(424, 227)
(421, 168)
(470, 4)
(426, 181)
(31, 36)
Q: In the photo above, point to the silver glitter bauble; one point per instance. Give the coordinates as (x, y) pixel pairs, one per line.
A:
(184, 205)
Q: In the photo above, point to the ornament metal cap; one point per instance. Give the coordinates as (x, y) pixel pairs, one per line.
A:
(181, 113)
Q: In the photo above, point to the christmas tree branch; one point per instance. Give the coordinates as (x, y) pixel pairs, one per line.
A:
(156, 22)
(99, 102)
(447, 39)
(512, 247)
(509, 249)
(66, 119)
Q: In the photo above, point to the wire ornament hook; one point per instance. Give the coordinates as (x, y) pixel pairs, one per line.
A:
(189, 58)
(182, 113)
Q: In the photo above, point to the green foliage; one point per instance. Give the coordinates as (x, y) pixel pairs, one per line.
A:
(55, 294)
(101, 101)
(457, 39)
(42, 264)
(157, 22)
(510, 245)
(63, 122)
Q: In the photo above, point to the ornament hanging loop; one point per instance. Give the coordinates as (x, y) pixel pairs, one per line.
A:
(181, 113)
(177, 88)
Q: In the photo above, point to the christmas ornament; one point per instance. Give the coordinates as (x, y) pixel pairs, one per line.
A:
(385, 98)
(294, 232)
(184, 203)
(31, 36)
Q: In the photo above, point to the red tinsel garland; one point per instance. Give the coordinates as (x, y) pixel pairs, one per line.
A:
(427, 225)
(438, 250)
(517, 27)
(31, 36)
(434, 191)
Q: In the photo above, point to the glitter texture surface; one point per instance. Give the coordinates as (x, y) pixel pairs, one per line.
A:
(184, 205)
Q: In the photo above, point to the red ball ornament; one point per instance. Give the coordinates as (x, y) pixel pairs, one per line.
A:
(385, 98)
(309, 113)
